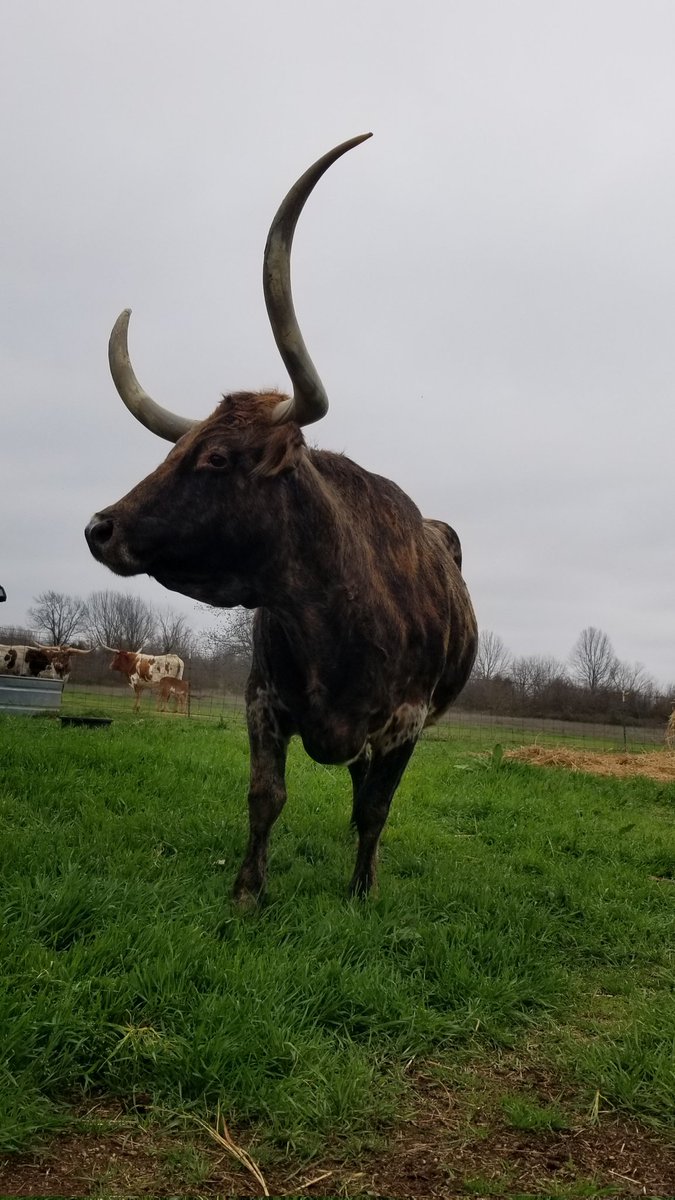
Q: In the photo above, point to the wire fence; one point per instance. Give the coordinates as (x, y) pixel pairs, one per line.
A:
(216, 695)
(485, 715)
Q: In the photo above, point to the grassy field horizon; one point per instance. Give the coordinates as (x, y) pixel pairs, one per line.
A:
(462, 728)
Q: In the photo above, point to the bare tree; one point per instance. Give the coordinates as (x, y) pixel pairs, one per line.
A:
(173, 634)
(15, 635)
(58, 616)
(548, 671)
(593, 660)
(120, 620)
(532, 674)
(545, 672)
(233, 636)
(521, 674)
(632, 679)
(492, 658)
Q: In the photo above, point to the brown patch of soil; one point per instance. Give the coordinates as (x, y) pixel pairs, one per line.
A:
(652, 764)
(455, 1142)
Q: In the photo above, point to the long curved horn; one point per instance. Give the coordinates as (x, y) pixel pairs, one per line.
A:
(310, 401)
(110, 649)
(158, 420)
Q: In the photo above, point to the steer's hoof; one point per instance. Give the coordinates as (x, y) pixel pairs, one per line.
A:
(245, 901)
(361, 889)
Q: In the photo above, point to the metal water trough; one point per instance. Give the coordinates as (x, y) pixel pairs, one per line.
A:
(21, 697)
(90, 722)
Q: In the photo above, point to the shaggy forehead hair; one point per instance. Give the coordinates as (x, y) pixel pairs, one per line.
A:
(244, 421)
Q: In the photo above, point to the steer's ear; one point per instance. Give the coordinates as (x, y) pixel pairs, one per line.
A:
(282, 451)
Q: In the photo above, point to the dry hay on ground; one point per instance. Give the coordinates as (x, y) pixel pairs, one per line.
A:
(651, 764)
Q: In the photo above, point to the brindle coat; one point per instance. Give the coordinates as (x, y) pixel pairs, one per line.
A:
(364, 631)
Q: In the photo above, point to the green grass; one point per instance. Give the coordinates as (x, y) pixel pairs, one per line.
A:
(521, 1112)
(514, 904)
(118, 702)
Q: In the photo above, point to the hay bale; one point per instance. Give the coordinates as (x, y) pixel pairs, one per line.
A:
(650, 764)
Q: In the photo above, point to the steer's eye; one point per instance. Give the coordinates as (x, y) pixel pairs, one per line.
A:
(217, 460)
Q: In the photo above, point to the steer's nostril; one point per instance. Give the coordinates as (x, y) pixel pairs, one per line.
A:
(99, 531)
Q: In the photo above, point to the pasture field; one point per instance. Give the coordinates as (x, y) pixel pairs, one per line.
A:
(513, 973)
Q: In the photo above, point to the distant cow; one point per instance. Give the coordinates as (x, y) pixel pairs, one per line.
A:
(145, 670)
(38, 662)
(670, 730)
(178, 688)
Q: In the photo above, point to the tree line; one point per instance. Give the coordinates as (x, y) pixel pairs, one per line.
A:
(218, 657)
(111, 619)
(592, 684)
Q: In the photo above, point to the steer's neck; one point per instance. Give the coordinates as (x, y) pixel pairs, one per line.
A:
(318, 568)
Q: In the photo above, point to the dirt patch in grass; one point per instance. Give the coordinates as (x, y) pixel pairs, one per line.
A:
(466, 1133)
(652, 764)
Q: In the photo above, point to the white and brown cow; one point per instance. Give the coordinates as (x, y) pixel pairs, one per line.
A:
(145, 670)
(38, 662)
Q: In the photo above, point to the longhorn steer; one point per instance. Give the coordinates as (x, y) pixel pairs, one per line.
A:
(38, 662)
(145, 670)
(364, 631)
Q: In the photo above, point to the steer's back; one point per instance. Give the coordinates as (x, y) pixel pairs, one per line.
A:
(28, 661)
(462, 640)
(10, 660)
(152, 668)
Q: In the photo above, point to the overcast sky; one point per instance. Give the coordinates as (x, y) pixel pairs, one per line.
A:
(487, 286)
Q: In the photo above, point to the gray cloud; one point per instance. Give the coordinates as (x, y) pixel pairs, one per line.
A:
(487, 286)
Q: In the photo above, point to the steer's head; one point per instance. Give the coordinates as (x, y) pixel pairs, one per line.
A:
(123, 660)
(59, 657)
(206, 522)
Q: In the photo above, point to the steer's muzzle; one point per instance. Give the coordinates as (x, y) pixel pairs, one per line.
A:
(127, 548)
(106, 540)
(98, 532)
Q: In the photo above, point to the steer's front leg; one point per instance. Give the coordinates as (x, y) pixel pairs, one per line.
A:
(267, 792)
(374, 788)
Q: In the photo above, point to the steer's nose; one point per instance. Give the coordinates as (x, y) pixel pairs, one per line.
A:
(98, 532)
